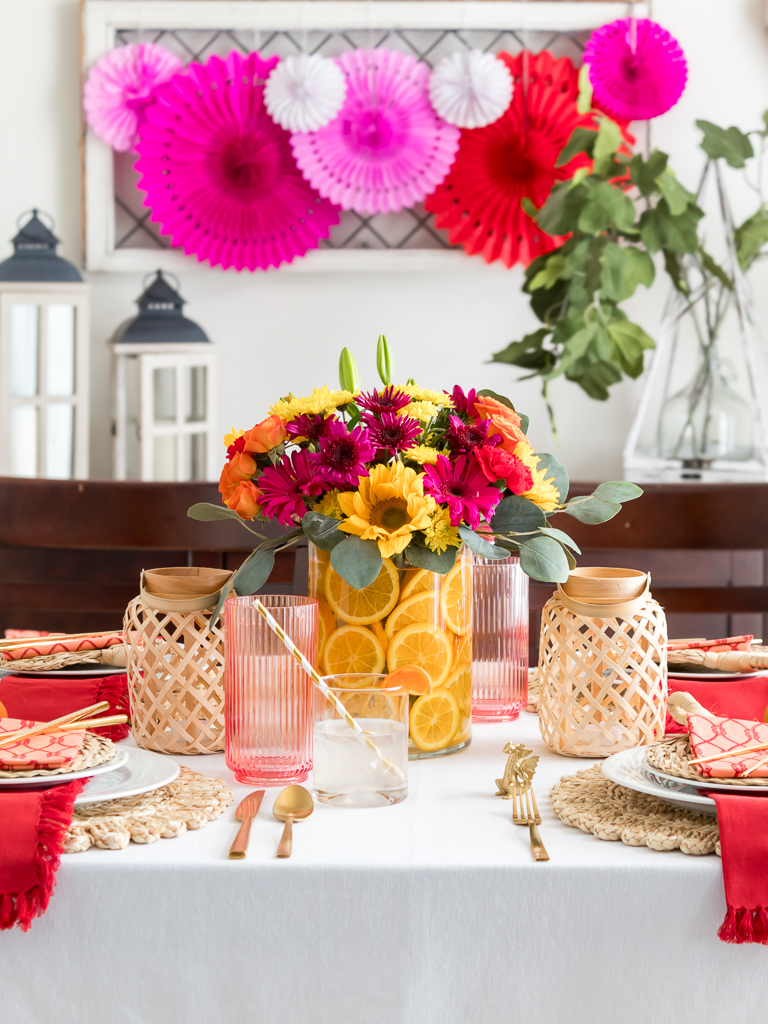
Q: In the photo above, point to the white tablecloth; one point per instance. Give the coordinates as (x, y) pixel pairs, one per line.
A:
(430, 912)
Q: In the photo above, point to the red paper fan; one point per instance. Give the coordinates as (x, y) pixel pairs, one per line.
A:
(479, 203)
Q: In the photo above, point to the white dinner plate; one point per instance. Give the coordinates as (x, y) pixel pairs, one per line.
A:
(629, 768)
(113, 764)
(142, 770)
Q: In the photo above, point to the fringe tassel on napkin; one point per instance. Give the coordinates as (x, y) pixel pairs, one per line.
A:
(114, 689)
(742, 926)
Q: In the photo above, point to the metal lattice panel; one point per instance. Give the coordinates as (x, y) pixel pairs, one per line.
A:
(410, 229)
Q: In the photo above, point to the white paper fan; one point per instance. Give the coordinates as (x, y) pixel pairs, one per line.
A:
(470, 89)
(305, 92)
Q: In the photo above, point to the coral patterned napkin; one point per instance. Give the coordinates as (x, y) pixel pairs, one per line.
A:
(56, 643)
(710, 735)
(54, 750)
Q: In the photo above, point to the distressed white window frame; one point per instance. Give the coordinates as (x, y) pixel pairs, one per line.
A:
(101, 20)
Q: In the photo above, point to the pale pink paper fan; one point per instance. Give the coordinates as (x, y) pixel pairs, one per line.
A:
(387, 148)
(219, 174)
(119, 88)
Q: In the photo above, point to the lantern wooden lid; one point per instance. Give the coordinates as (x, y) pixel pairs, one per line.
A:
(598, 585)
(189, 586)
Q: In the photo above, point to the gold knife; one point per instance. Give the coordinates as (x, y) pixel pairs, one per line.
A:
(245, 813)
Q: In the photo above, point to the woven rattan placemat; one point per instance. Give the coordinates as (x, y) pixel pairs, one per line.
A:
(191, 801)
(95, 750)
(671, 755)
(591, 802)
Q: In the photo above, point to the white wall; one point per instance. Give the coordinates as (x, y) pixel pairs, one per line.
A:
(280, 332)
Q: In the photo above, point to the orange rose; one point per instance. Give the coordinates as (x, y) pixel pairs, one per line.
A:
(504, 421)
(239, 469)
(244, 499)
(265, 435)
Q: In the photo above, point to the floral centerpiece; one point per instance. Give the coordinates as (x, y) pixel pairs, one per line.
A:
(390, 485)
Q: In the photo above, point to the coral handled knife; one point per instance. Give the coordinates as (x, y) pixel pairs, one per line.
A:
(245, 813)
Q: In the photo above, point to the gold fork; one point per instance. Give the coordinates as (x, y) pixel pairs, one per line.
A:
(525, 814)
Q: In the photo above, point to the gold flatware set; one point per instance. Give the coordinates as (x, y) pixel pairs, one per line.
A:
(294, 803)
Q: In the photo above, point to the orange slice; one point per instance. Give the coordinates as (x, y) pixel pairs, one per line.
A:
(429, 647)
(352, 649)
(459, 683)
(412, 678)
(456, 598)
(362, 607)
(463, 654)
(434, 720)
(421, 607)
(383, 639)
(326, 623)
(372, 705)
(417, 580)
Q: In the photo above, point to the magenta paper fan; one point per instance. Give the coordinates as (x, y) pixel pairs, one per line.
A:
(119, 88)
(637, 69)
(219, 173)
(387, 148)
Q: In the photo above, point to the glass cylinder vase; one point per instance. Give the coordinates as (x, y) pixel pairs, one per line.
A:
(499, 639)
(269, 706)
(416, 626)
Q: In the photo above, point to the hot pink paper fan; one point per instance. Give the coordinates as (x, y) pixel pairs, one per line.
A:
(119, 88)
(637, 69)
(387, 148)
(219, 174)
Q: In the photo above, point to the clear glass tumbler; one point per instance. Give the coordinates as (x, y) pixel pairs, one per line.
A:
(346, 771)
(268, 695)
(499, 639)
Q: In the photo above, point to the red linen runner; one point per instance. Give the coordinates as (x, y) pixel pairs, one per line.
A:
(45, 699)
(33, 824)
(743, 824)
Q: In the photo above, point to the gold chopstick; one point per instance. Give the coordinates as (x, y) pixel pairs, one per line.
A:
(53, 638)
(8, 739)
(730, 753)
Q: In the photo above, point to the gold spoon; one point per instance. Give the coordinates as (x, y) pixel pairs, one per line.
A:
(294, 803)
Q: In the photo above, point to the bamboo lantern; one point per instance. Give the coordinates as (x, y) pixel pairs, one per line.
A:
(175, 661)
(602, 664)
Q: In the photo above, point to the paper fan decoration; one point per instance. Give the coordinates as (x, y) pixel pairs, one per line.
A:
(219, 174)
(119, 88)
(387, 148)
(637, 69)
(479, 203)
(305, 92)
(470, 89)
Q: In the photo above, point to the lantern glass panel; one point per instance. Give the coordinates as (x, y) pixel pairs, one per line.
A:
(194, 394)
(194, 456)
(24, 333)
(164, 388)
(165, 457)
(60, 350)
(24, 440)
(59, 439)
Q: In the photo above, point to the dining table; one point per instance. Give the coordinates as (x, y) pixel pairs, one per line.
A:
(431, 911)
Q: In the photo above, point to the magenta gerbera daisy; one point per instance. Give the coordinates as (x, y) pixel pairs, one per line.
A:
(462, 486)
(343, 454)
(461, 402)
(286, 485)
(392, 433)
(466, 436)
(387, 400)
(309, 428)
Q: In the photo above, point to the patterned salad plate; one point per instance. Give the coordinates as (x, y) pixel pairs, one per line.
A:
(121, 756)
(629, 768)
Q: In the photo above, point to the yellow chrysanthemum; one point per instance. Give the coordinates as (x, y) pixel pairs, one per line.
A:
(422, 411)
(424, 394)
(387, 507)
(322, 400)
(329, 505)
(422, 454)
(440, 535)
(232, 437)
(543, 493)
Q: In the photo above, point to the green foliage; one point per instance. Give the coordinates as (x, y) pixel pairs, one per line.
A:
(349, 379)
(383, 361)
(729, 143)
(357, 561)
(254, 572)
(420, 556)
(481, 547)
(322, 530)
(515, 514)
(544, 558)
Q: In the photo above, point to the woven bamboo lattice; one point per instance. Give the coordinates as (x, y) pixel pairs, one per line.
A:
(95, 750)
(601, 690)
(591, 802)
(175, 666)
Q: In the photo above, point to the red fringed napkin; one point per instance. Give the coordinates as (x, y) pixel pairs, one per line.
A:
(33, 824)
(726, 698)
(743, 824)
(45, 699)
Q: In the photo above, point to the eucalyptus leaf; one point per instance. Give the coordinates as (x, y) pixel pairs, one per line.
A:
(481, 547)
(225, 593)
(357, 561)
(561, 536)
(543, 559)
(515, 514)
(593, 510)
(487, 393)
(556, 470)
(618, 490)
(254, 572)
(420, 556)
(322, 530)
(205, 512)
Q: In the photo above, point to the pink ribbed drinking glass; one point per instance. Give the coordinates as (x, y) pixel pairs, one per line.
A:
(499, 639)
(268, 695)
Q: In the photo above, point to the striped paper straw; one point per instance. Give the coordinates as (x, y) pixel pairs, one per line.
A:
(322, 686)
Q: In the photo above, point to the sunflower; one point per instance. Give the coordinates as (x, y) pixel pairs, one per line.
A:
(440, 535)
(543, 492)
(322, 400)
(387, 507)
